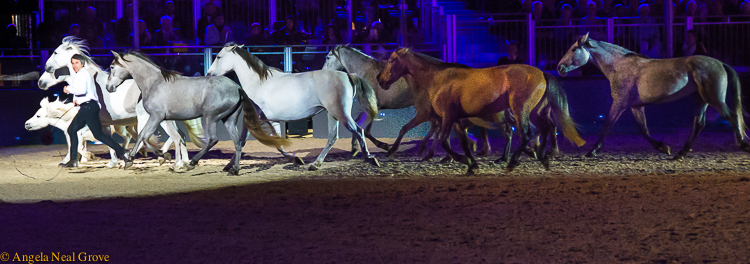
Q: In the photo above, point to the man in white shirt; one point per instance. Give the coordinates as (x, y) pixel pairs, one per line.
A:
(218, 33)
(84, 92)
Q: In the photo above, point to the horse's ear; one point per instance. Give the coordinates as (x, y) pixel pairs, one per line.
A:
(117, 55)
(44, 102)
(584, 39)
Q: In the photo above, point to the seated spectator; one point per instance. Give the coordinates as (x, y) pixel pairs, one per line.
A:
(177, 22)
(647, 36)
(332, 36)
(512, 57)
(218, 33)
(209, 11)
(74, 30)
(12, 40)
(377, 33)
(607, 9)
(691, 9)
(165, 35)
(290, 34)
(257, 36)
(590, 21)
(360, 33)
(92, 28)
(124, 28)
(144, 38)
(693, 45)
(564, 34)
(538, 12)
(619, 11)
(413, 35)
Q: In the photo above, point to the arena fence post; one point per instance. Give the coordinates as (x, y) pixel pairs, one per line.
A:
(531, 39)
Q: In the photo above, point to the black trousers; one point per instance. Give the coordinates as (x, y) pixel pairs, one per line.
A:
(89, 115)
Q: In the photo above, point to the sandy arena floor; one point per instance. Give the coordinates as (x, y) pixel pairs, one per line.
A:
(629, 205)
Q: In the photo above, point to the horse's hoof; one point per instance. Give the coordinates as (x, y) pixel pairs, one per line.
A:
(298, 161)
(553, 152)
(228, 167)
(233, 172)
(545, 164)
(447, 159)
(128, 164)
(501, 159)
(591, 154)
(678, 157)
(143, 153)
(745, 147)
(313, 168)
(470, 172)
(484, 153)
(372, 160)
(511, 166)
(190, 167)
(61, 164)
(663, 148)
(111, 164)
(164, 158)
(427, 158)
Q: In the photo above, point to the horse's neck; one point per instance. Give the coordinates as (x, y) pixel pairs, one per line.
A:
(250, 80)
(606, 56)
(145, 75)
(364, 66)
(423, 73)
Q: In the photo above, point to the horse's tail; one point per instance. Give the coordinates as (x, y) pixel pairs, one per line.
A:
(195, 131)
(254, 125)
(558, 101)
(738, 111)
(366, 95)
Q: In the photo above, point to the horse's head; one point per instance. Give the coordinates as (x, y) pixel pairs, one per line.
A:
(48, 114)
(333, 60)
(224, 61)
(62, 54)
(117, 73)
(50, 78)
(394, 69)
(576, 56)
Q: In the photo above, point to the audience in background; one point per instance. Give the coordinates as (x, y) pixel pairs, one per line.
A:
(144, 38)
(218, 33)
(209, 11)
(332, 36)
(290, 34)
(257, 37)
(512, 56)
(124, 28)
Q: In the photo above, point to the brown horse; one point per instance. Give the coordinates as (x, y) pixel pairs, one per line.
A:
(450, 92)
(638, 81)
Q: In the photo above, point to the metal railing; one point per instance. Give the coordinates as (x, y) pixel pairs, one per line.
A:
(543, 42)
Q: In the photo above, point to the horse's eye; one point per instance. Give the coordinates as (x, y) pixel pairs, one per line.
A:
(38, 116)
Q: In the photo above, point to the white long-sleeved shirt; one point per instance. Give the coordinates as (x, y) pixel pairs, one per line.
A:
(214, 37)
(83, 88)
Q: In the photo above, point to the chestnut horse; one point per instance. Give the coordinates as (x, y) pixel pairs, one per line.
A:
(455, 91)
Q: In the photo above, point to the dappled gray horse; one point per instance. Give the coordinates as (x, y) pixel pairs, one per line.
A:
(638, 81)
(170, 96)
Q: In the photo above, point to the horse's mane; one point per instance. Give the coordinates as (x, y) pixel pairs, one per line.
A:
(347, 46)
(635, 54)
(168, 75)
(263, 70)
(439, 63)
(57, 108)
(81, 45)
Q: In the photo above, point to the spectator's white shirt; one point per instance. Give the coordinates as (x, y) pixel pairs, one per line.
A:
(83, 88)
(214, 37)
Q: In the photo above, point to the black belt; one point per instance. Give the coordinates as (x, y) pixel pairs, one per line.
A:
(85, 103)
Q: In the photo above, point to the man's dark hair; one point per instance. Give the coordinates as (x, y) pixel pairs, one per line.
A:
(80, 58)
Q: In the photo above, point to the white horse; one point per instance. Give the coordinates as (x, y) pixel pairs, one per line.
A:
(60, 114)
(118, 108)
(294, 96)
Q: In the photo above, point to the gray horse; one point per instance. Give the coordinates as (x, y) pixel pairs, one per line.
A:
(638, 81)
(169, 96)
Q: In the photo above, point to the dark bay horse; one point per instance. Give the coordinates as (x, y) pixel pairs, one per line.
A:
(638, 81)
(455, 91)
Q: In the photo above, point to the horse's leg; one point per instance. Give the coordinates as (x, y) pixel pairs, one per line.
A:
(131, 134)
(640, 116)
(380, 144)
(112, 154)
(541, 152)
(554, 148)
(614, 114)
(333, 136)
(358, 133)
(420, 118)
(508, 135)
(434, 126)
(231, 124)
(464, 140)
(727, 114)
(699, 121)
(67, 156)
(485, 142)
(148, 129)
(355, 145)
(444, 136)
(170, 127)
(210, 130)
